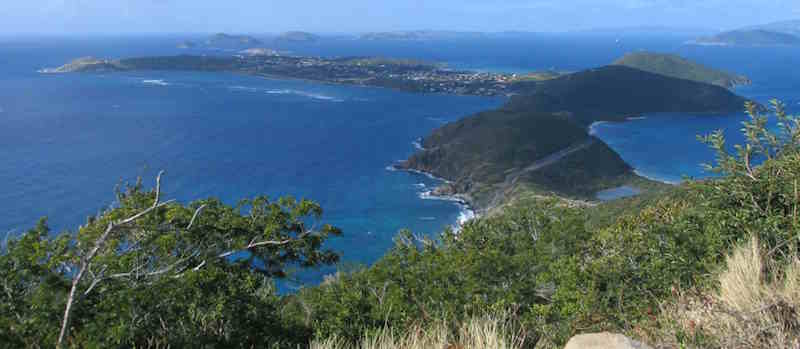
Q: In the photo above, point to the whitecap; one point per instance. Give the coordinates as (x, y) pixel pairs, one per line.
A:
(466, 215)
(158, 82)
(428, 195)
(436, 120)
(427, 218)
(654, 178)
(420, 185)
(243, 88)
(304, 94)
(593, 127)
(418, 144)
(636, 118)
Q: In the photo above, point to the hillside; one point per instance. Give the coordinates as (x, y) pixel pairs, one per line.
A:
(539, 142)
(681, 68)
(492, 154)
(754, 37)
(613, 93)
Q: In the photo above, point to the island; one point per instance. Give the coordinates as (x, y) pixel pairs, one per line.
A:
(751, 37)
(224, 40)
(402, 74)
(418, 35)
(681, 68)
(539, 142)
(187, 44)
(788, 27)
(297, 36)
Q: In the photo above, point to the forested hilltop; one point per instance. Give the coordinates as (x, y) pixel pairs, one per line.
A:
(681, 68)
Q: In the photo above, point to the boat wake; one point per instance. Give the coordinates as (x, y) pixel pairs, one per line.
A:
(311, 95)
(157, 82)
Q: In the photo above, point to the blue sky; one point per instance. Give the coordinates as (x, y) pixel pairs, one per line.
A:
(330, 16)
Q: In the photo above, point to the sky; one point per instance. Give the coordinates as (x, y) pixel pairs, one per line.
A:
(356, 16)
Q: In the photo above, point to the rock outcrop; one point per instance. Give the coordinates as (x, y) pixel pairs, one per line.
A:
(604, 340)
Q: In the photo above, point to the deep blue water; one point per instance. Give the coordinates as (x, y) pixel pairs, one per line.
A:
(67, 140)
(665, 146)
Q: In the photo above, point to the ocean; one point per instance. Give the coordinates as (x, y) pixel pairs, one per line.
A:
(67, 140)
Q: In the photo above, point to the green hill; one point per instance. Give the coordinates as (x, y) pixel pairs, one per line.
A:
(681, 68)
(752, 37)
(538, 142)
(613, 93)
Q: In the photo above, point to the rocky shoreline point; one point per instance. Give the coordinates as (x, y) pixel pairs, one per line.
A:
(86, 64)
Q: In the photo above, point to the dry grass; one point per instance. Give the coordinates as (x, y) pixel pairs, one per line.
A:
(757, 305)
(477, 333)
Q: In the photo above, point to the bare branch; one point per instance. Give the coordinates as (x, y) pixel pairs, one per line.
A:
(196, 213)
(87, 259)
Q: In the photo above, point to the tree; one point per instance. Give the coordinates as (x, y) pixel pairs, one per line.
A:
(145, 244)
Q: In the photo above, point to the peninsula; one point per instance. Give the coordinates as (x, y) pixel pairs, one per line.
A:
(402, 74)
(539, 143)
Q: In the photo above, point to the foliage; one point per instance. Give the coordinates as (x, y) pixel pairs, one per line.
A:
(177, 275)
(565, 276)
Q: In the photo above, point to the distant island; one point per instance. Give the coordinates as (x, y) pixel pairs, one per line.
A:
(421, 35)
(681, 68)
(297, 36)
(753, 37)
(187, 44)
(787, 27)
(223, 39)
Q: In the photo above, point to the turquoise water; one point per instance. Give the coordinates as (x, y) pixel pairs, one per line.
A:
(67, 140)
(617, 193)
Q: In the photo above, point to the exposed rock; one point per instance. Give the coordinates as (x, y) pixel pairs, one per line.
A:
(604, 340)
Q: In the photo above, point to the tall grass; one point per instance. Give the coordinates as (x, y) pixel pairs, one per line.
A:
(487, 332)
(757, 304)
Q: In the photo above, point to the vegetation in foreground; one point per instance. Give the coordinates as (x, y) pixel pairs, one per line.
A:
(668, 272)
